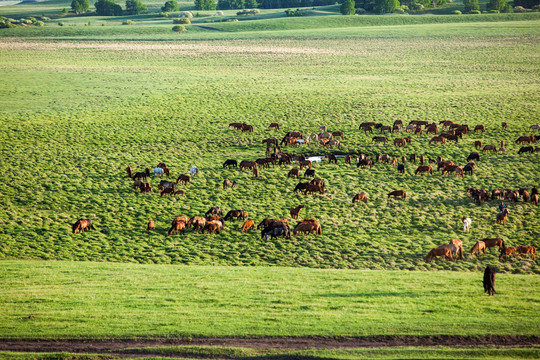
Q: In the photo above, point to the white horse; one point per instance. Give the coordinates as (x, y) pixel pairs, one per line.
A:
(466, 224)
(158, 172)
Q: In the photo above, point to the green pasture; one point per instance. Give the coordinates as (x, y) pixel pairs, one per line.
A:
(255, 354)
(74, 113)
(86, 300)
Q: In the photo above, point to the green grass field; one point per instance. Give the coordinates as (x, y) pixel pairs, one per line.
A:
(79, 103)
(68, 300)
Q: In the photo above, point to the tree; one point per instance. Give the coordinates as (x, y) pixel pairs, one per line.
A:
(347, 8)
(386, 6)
(470, 5)
(80, 6)
(170, 6)
(496, 5)
(205, 5)
(134, 7)
(108, 8)
(251, 4)
(231, 4)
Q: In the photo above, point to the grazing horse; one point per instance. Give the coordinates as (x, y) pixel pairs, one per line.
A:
(379, 139)
(247, 164)
(489, 148)
(338, 134)
(466, 223)
(526, 149)
(142, 175)
(312, 188)
(489, 281)
(459, 245)
(275, 229)
(230, 163)
(197, 222)
(526, 250)
(477, 144)
(248, 225)
(526, 140)
(360, 197)
(214, 210)
(307, 226)
(319, 183)
(481, 128)
(294, 211)
(273, 126)
(507, 252)
(534, 199)
(212, 227)
(265, 223)
(401, 168)
(151, 226)
(309, 173)
(504, 125)
(439, 251)
(294, 172)
(332, 157)
(437, 139)
(238, 214)
(424, 169)
(502, 217)
(479, 246)
(492, 242)
(398, 193)
(177, 226)
(186, 179)
(82, 225)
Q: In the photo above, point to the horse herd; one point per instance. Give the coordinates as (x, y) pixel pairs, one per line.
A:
(214, 222)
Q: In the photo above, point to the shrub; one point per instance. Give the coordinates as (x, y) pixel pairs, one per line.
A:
(61, 24)
(219, 13)
(108, 8)
(186, 14)
(405, 8)
(248, 12)
(347, 8)
(399, 11)
(205, 5)
(170, 6)
(128, 22)
(385, 6)
(536, 8)
(508, 9)
(135, 7)
(470, 5)
(179, 28)
(360, 11)
(494, 11)
(475, 12)
(185, 21)
(519, 9)
(417, 7)
(32, 19)
(296, 12)
(39, 23)
(164, 14)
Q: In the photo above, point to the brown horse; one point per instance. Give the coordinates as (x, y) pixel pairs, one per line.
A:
(186, 179)
(228, 184)
(151, 226)
(338, 134)
(294, 211)
(360, 197)
(526, 250)
(82, 225)
(398, 193)
(294, 172)
(273, 126)
(247, 164)
(255, 172)
(313, 188)
(197, 222)
(481, 128)
(379, 139)
(506, 252)
(214, 226)
(177, 226)
(534, 199)
(477, 144)
(439, 251)
(142, 175)
(424, 169)
(319, 183)
(479, 246)
(238, 214)
(492, 242)
(307, 226)
(458, 244)
(502, 217)
(489, 148)
(248, 225)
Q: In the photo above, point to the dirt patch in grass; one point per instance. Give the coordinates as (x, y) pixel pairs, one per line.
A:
(299, 343)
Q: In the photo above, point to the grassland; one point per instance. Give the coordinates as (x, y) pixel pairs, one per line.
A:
(76, 112)
(69, 300)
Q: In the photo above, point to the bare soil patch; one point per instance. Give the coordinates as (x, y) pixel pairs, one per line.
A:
(297, 343)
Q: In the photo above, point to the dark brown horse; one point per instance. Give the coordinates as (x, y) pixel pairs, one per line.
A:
(398, 193)
(494, 242)
(237, 214)
(294, 211)
(489, 281)
(424, 169)
(273, 126)
(186, 179)
(82, 225)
